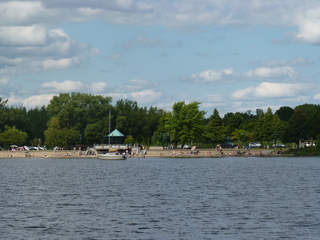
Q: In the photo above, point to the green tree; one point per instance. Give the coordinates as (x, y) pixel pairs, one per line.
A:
(127, 117)
(214, 130)
(129, 140)
(266, 127)
(94, 132)
(3, 106)
(285, 113)
(296, 127)
(233, 121)
(185, 122)
(163, 130)
(259, 111)
(53, 133)
(57, 136)
(12, 135)
(313, 125)
(131, 120)
(3, 103)
(76, 110)
(242, 136)
(12, 116)
(151, 122)
(36, 122)
(308, 108)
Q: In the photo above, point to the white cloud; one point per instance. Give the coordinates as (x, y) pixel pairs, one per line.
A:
(23, 35)
(209, 76)
(37, 100)
(59, 52)
(174, 14)
(309, 27)
(267, 89)
(278, 72)
(99, 87)
(77, 86)
(271, 90)
(147, 96)
(124, 3)
(21, 12)
(316, 97)
(167, 12)
(32, 42)
(242, 93)
(14, 100)
(61, 87)
(135, 85)
(258, 74)
(50, 64)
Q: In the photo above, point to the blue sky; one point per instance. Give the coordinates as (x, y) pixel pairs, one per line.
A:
(230, 55)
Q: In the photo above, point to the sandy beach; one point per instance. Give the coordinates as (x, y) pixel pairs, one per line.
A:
(177, 153)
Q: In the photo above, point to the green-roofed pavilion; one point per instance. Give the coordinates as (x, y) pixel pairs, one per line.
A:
(116, 136)
(116, 133)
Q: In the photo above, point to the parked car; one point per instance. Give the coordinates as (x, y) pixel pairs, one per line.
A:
(310, 144)
(228, 145)
(254, 145)
(184, 146)
(279, 145)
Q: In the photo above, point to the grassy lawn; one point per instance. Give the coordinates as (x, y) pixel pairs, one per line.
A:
(303, 152)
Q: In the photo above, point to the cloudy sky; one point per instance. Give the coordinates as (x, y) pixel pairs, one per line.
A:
(227, 54)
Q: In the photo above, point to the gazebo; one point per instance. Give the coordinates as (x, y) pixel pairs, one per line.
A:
(115, 134)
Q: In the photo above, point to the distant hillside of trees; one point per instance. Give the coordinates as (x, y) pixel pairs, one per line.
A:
(83, 119)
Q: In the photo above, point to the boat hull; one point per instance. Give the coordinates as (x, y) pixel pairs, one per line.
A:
(108, 156)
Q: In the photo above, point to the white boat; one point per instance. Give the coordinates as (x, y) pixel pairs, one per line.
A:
(111, 156)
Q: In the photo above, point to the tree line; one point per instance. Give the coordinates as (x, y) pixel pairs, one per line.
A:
(79, 119)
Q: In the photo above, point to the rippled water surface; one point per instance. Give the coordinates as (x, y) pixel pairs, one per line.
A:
(153, 198)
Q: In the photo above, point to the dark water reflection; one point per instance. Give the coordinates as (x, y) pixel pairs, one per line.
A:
(228, 198)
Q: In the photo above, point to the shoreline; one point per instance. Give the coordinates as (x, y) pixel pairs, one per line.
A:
(164, 153)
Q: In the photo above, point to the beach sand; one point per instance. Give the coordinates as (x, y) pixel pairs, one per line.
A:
(177, 153)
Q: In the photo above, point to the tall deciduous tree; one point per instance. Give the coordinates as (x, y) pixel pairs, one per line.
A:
(307, 108)
(61, 137)
(36, 122)
(314, 126)
(214, 130)
(14, 117)
(95, 132)
(3, 106)
(185, 122)
(3, 103)
(285, 113)
(269, 126)
(296, 127)
(234, 121)
(266, 127)
(161, 135)
(76, 110)
(127, 117)
(12, 135)
(152, 118)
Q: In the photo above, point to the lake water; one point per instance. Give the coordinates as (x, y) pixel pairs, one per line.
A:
(158, 198)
